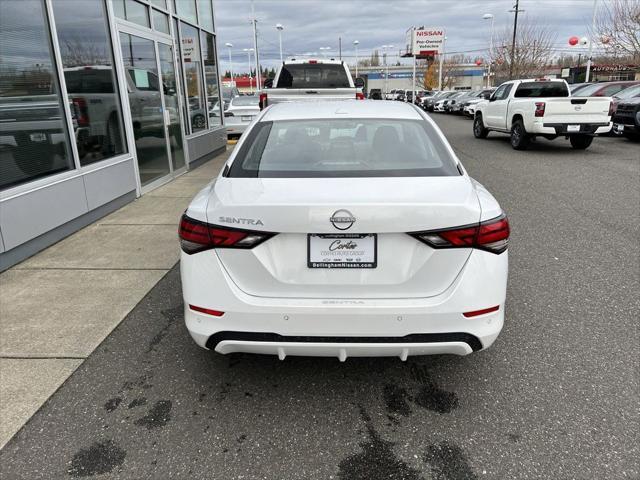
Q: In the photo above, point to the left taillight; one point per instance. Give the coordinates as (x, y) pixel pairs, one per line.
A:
(196, 236)
(491, 236)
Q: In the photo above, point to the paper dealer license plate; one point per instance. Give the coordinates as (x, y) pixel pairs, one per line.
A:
(342, 250)
(573, 128)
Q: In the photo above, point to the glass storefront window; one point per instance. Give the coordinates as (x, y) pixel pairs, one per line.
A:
(132, 11)
(92, 88)
(160, 3)
(187, 10)
(33, 134)
(193, 75)
(160, 21)
(176, 44)
(211, 79)
(206, 14)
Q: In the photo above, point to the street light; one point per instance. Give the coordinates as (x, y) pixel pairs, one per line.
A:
(489, 16)
(444, 42)
(230, 46)
(355, 44)
(279, 27)
(386, 64)
(249, 50)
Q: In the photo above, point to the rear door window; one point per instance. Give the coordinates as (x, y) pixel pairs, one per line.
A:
(309, 75)
(541, 89)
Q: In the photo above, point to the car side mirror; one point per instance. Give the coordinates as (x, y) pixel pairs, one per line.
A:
(268, 83)
(359, 82)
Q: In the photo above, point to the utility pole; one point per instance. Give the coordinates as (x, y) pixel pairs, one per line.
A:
(340, 47)
(513, 41)
(254, 22)
(593, 27)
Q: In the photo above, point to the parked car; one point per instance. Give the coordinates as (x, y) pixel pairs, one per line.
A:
(310, 81)
(323, 231)
(429, 102)
(375, 94)
(603, 89)
(239, 114)
(469, 106)
(626, 116)
(576, 87)
(457, 105)
(527, 108)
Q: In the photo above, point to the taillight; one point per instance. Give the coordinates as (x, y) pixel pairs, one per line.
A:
(264, 101)
(492, 236)
(208, 311)
(540, 109)
(196, 236)
(359, 96)
(82, 115)
(612, 109)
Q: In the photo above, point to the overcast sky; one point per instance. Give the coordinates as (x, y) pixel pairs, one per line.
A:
(311, 24)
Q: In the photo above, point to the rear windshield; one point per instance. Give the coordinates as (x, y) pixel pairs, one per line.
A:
(245, 101)
(542, 89)
(343, 148)
(311, 75)
(89, 80)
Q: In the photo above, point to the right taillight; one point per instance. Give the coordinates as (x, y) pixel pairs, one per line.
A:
(540, 109)
(196, 236)
(612, 109)
(264, 101)
(491, 236)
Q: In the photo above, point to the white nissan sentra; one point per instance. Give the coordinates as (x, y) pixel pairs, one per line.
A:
(344, 229)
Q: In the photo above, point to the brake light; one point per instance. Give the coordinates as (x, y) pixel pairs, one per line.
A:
(82, 116)
(612, 109)
(492, 236)
(208, 311)
(359, 96)
(196, 236)
(484, 311)
(540, 106)
(313, 61)
(264, 101)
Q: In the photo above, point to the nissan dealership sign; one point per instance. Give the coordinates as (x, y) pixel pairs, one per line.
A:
(425, 41)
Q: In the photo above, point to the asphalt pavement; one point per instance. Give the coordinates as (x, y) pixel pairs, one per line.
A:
(555, 397)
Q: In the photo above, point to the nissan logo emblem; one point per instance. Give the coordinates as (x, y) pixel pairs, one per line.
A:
(342, 219)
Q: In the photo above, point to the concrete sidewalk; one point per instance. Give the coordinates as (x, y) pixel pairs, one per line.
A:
(59, 305)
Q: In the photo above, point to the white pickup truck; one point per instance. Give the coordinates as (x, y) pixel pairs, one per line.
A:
(540, 107)
(311, 80)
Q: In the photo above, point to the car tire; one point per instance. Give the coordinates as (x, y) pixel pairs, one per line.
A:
(580, 142)
(519, 137)
(479, 130)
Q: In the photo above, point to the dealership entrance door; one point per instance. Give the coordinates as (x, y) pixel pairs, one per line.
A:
(153, 92)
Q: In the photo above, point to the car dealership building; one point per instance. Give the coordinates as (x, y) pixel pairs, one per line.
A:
(100, 102)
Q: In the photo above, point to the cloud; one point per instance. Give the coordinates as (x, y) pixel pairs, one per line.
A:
(311, 24)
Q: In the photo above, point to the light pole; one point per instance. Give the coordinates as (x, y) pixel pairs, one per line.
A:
(355, 44)
(593, 27)
(444, 42)
(489, 16)
(279, 27)
(249, 50)
(230, 46)
(386, 64)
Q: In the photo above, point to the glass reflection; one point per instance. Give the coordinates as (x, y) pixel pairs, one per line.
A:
(193, 75)
(146, 107)
(92, 90)
(170, 88)
(33, 134)
(211, 78)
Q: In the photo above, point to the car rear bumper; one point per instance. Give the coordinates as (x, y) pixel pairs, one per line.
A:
(563, 128)
(345, 327)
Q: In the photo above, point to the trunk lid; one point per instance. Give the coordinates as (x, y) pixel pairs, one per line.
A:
(576, 109)
(387, 207)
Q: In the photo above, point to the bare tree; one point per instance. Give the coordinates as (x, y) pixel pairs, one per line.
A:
(533, 51)
(618, 28)
(76, 52)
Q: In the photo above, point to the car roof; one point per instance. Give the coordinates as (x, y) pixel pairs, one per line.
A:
(341, 109)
